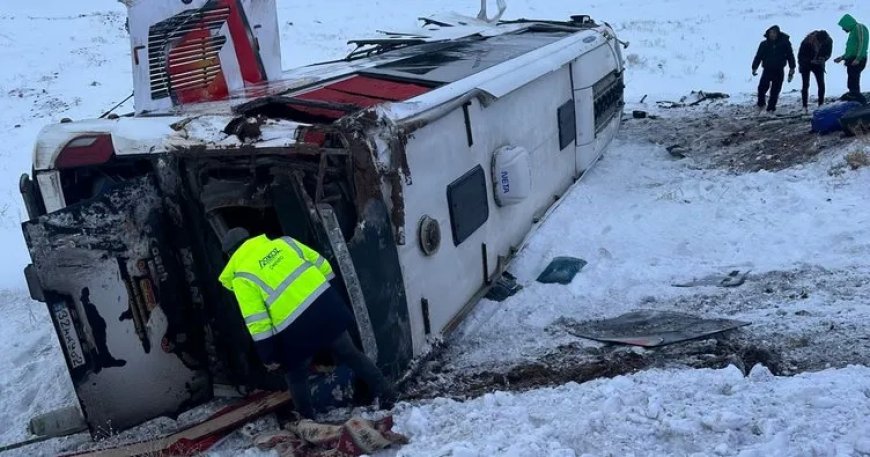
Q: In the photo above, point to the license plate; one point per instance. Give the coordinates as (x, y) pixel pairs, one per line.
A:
(68, 335)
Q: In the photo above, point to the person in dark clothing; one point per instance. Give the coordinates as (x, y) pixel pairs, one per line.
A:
(814, 51)
(773, 55)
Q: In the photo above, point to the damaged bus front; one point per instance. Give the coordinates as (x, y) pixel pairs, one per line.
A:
(127, 213)
(127, 252)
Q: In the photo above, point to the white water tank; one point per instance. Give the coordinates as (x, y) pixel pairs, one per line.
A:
(511, 175)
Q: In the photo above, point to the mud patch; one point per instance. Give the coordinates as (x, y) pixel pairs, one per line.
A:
(803, 320)
(574, 363)
(735, 137)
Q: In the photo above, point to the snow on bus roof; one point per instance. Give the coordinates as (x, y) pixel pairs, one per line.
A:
(449, 62)
(158, 134)
(439, 63)
(497, 62)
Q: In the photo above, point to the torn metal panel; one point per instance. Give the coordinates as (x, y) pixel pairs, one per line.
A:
(115, 295)
(376, 261)
(367, 177)
(380, 161)
(650, 328)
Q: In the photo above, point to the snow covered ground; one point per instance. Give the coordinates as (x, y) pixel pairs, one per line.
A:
(642, 220)
(655, 413)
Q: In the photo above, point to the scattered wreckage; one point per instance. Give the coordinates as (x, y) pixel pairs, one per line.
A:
(417, 165)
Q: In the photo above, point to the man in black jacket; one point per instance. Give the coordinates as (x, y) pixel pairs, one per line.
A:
(773, 54)
(815, 50)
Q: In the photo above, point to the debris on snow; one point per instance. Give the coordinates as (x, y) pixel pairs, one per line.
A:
(650, 328)
(505, 286)
(677, 151)
(857, 159)
(693, 99)
(730, 137)
(561, 270)
(353, 438)
(732, 279)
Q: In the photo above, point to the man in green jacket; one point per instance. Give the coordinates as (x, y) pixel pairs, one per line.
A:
(855, 56)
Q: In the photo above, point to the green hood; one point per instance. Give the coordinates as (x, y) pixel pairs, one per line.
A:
(847, 22)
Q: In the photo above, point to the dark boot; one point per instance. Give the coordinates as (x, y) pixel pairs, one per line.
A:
(347, 353)
(297, 384)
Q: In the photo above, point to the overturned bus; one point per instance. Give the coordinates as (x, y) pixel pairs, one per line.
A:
(417, 165)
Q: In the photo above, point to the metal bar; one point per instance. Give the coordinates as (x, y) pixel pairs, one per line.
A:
(187, 82)
(431, 115)
(195, 48)
(158, 60)
(193, 77)
(187, 57)
(424, 308)
(351, 280)
(321, 172)
(467, 123)
(204, 77)
(194, 73)
(485, 264)
(28, 442)
(192, 83)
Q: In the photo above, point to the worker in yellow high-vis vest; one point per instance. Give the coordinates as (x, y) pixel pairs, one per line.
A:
(291, 311)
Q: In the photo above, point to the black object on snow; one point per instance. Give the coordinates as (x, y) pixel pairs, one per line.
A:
(638, 114)
(676, 151)
(561, 270)
(649, 328)
(504, 287)
(732, 279)
(858, 98)
(856, 121)
(704, 96)
(695, 98)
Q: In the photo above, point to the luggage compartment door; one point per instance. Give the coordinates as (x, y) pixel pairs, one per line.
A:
(112, 274)
(598, 89)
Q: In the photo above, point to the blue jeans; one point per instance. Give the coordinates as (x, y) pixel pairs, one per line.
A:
(345, 352)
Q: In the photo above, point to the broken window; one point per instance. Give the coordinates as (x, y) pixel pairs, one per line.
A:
(468, 203)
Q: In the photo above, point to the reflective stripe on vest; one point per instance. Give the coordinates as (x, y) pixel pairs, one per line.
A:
(275, 294)
(285, 298)
(289, 319)
(257, 318)
(320, 259)
(290, 242)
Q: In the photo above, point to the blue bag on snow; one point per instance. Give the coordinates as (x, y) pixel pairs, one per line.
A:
(827, 119)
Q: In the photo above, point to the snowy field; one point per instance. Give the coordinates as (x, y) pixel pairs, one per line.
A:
(642, 219)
